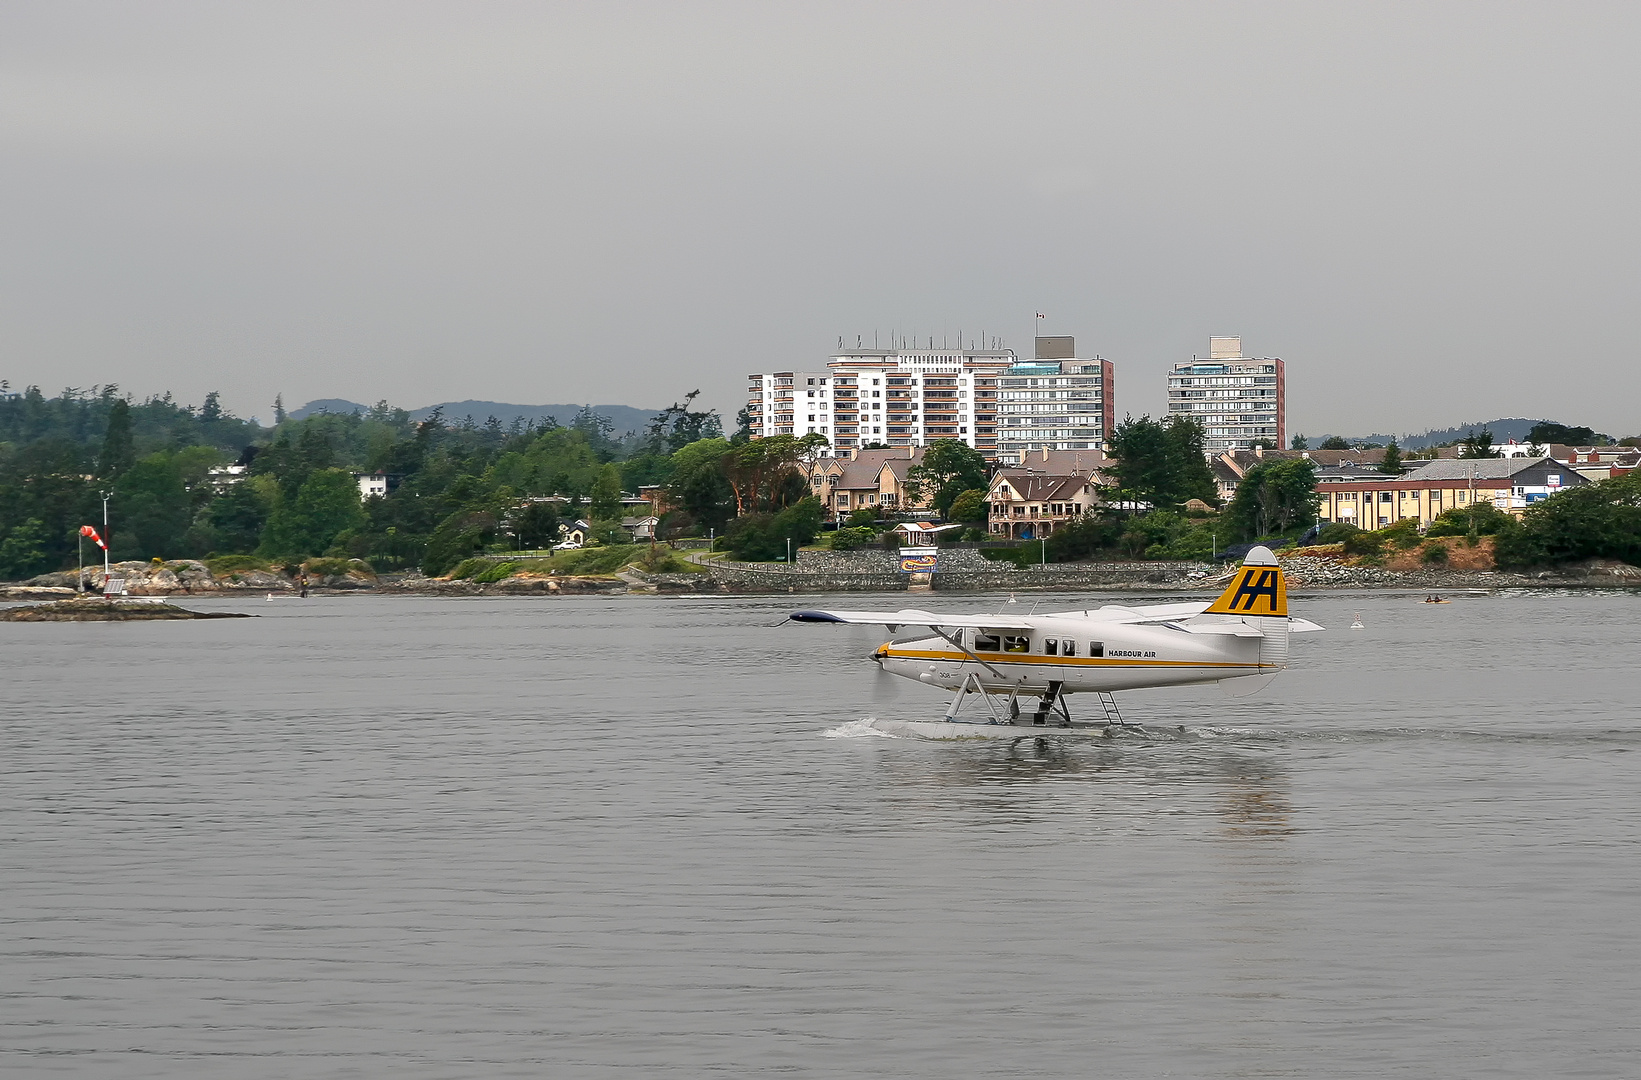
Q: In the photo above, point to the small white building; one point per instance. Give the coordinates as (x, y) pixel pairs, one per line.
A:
(371, 484)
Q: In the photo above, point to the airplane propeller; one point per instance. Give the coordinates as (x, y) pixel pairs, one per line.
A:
(886, 688)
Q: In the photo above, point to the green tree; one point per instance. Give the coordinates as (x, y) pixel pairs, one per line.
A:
(327, 504)
(150, 510)
(537, 526)
(1161, 462)
(1335, 442)
(606, 494)
(1392, 463)
(119, 450)
(948, 469)
(1275, 497)
(232, 523)
(1548, 431)
(1601, 520)
(761, 472)
(743, 425)
(764, 537)
(1300, 443)
(279, 409)
(1478, 444)
(23, 551)
(969, 506)
(462, 535)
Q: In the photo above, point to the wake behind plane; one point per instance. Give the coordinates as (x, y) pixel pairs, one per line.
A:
(1243, 635)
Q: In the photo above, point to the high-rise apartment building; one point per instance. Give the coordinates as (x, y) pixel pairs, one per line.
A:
(1055, 401)
(987, 398)
(1237, 399)
(891, 397)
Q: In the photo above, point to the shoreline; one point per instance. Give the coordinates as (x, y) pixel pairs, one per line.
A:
(830, 574)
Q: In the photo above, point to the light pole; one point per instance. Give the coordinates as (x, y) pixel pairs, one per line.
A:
(789, 551)
(1045, 551)
(105, 496)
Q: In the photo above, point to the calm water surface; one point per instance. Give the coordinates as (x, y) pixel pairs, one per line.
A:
(606, 837)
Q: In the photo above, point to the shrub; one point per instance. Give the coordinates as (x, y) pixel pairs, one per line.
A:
(332, 567)
(599, 560)
(1403, 535)
(1364, 543)
(853, 539)
(1337, 533)
(1016, 557)
(496, 571)
(1434, 553)
(233, 564)
(467, 568)
(1482, 519)
(862, 516)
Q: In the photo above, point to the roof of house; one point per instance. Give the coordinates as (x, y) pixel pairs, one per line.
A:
(1479, 468)
(1064, 462)
(1337, 473)
(863, 470)
(1042, 487)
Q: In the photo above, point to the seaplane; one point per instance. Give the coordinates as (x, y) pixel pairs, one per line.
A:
(1239, 640)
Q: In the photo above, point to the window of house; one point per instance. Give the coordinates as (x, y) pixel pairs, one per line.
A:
(1051, 646)
(985, 642)
(1016, 643)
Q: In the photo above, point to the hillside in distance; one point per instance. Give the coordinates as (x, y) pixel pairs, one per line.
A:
(624, 417)
(1504, 430)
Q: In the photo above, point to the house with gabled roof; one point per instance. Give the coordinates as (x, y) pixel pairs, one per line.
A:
(870, 479)
(1028, 505)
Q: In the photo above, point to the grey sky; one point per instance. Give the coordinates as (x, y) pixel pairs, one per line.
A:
(1427, 209)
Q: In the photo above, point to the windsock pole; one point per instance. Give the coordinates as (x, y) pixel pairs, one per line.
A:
(105, 542)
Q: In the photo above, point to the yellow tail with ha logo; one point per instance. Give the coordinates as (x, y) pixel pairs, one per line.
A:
(1257, 589)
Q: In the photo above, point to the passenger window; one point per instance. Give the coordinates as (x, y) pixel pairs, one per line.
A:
(1015, 643)
(1051, 647)
(1070, 647)
(1096, 648)
(985, 643)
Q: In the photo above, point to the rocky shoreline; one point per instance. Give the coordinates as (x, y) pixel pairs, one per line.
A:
(820, 572)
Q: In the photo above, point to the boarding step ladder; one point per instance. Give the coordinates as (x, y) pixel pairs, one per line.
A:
(1113, 717)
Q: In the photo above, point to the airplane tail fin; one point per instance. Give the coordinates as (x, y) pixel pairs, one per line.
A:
(1258, 595)
(1257, 589)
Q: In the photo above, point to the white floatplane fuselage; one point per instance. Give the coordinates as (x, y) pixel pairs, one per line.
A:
(1242, 634)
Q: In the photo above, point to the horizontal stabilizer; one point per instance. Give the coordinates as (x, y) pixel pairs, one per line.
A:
(1222, 629)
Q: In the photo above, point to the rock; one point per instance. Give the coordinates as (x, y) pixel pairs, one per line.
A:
(96, 609)
(34, 592)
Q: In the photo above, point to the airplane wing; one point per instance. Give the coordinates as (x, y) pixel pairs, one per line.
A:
(1143, 613)
(912, 617)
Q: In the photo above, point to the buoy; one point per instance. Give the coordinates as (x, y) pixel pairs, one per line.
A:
(1356, 622)
(1012, 600)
